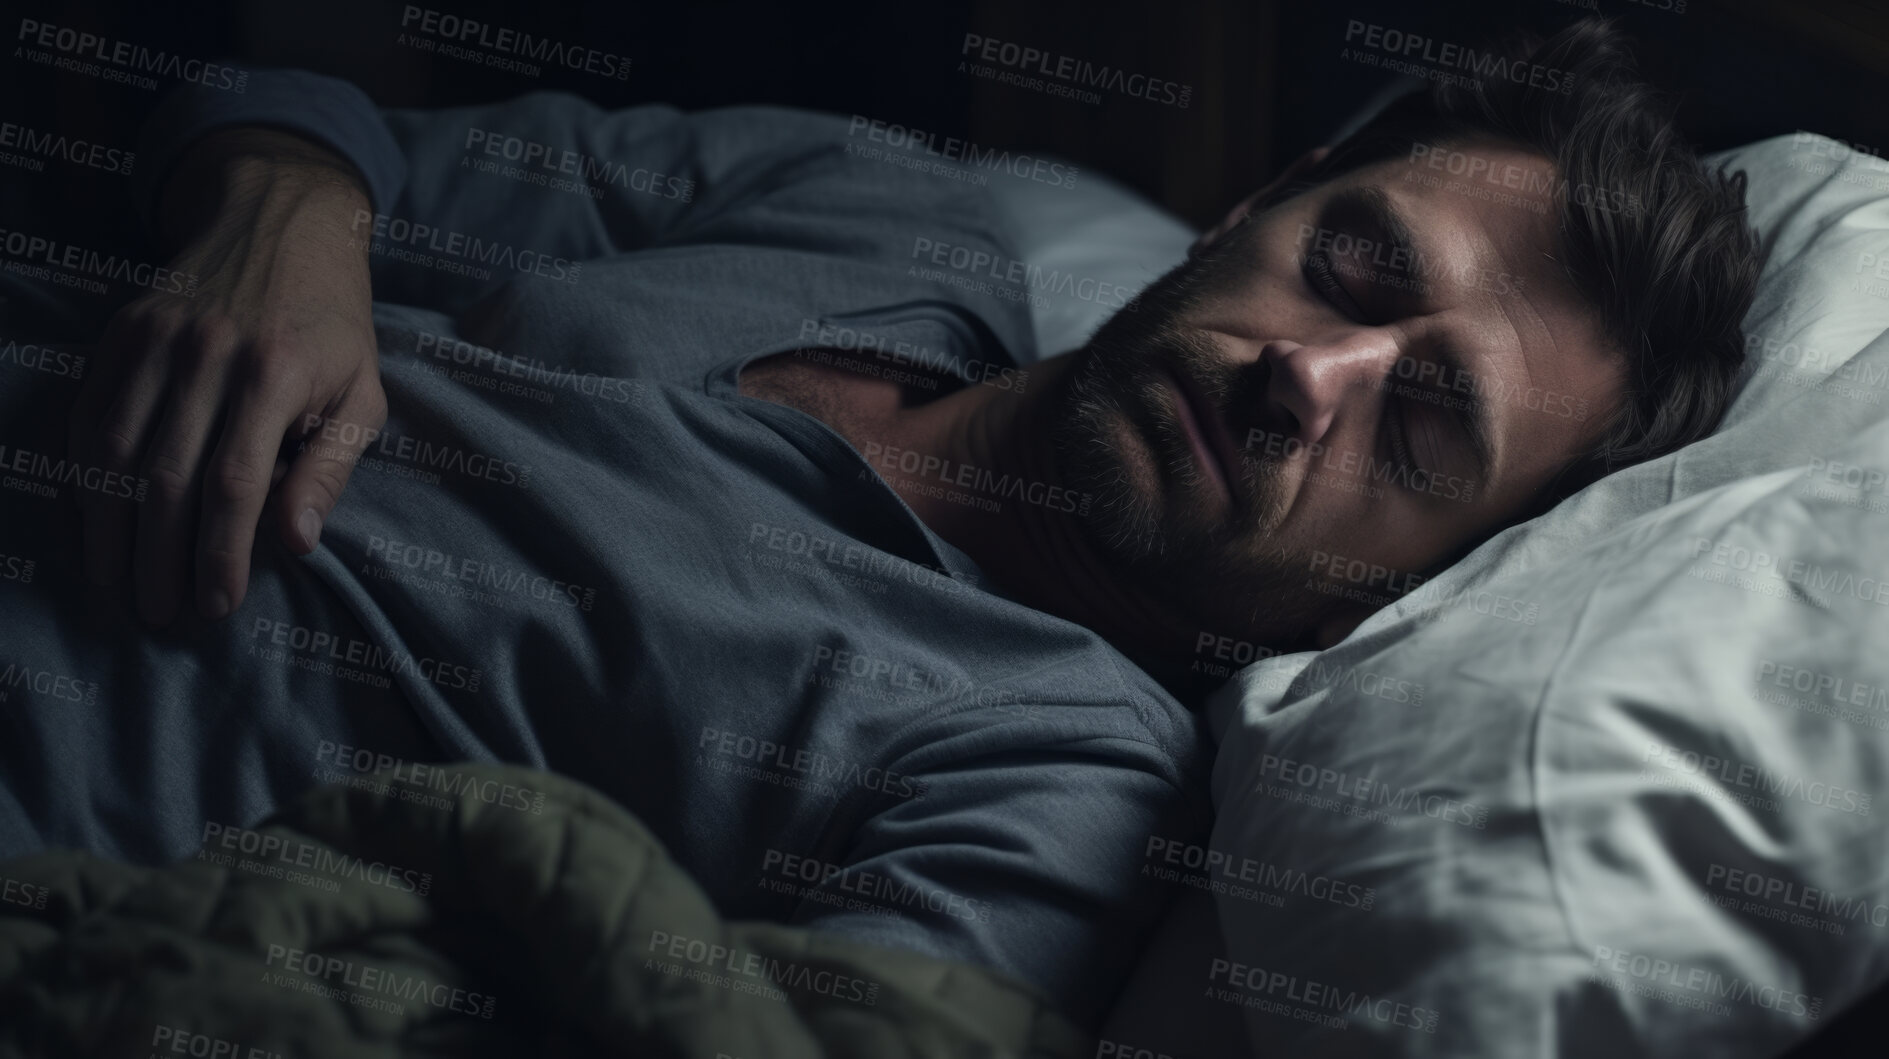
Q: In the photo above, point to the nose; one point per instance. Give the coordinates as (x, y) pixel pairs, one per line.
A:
(1307, 385)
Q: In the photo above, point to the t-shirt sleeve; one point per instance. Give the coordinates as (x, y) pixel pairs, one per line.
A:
(1029, 861)
(551, 179)
(327, 110)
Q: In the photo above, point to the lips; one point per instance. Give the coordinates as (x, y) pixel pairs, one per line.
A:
(1207, 428)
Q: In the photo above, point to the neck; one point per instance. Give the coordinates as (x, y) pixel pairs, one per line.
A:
(1026, 531)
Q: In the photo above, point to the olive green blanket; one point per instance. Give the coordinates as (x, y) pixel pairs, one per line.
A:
(380, 919)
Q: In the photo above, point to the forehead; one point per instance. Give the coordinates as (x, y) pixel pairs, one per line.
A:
(1483, 222)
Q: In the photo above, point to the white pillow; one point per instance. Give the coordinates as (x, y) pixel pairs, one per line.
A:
(1093, 244)
(1613, 780)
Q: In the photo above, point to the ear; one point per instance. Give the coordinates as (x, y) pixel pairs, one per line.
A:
(1299, 166)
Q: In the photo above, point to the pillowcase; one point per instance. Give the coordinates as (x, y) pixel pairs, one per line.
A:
(1090, 245)
(1611, 783)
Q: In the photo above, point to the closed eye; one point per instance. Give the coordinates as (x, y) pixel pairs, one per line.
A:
(1322, 276)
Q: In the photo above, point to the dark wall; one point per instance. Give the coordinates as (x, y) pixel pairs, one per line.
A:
(1265, 80)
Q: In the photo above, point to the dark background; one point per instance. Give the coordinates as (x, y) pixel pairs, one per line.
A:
(1267, 78)
(1267, 83)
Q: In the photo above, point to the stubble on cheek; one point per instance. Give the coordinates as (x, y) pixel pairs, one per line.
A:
(1103, 452)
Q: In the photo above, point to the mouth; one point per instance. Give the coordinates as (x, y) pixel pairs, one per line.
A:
(1207, 436)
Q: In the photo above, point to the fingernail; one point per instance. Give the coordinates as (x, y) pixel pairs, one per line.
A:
(309, 526)
(219, 605)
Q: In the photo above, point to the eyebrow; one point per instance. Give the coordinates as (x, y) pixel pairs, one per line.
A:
(1371, 208)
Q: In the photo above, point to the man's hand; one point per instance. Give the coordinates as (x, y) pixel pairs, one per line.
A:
(199, 393)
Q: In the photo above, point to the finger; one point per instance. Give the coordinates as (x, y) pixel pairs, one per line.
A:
(320, 471)
(110, 431)
(100, 384)
(173, 465)
(238, 477)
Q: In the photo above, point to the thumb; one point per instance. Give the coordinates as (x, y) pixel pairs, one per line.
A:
(331, 447)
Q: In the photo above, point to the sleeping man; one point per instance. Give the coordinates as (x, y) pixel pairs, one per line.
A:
(635, 494)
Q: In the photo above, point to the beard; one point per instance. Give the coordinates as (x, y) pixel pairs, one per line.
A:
(1116, 437)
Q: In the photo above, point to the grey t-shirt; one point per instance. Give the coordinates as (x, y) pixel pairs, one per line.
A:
(576, 546)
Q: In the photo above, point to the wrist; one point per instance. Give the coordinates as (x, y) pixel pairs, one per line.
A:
(240, 168)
